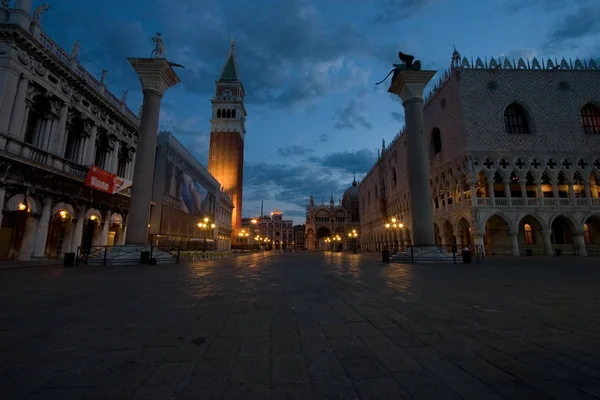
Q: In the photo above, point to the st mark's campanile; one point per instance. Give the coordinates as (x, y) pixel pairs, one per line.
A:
(227, 132)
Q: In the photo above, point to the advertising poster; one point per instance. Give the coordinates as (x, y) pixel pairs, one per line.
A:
(105, 181)
(194, 197)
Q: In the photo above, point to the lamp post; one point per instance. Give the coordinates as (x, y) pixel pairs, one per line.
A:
(327, 240)
(394, 225)
(205, 225)
(353, 235)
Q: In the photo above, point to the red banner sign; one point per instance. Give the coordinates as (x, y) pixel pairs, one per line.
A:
(105, 181)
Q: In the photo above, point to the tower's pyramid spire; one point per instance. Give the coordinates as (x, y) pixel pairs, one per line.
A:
(230, 70)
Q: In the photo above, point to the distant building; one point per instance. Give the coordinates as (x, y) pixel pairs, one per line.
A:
(279, 233)
(299, 235)
(515, 161)
(326, 222)
(184, 195)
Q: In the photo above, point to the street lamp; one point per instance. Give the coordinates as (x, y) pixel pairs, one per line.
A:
(394, 225)
(327, 240)
(337, 238)
(204, 226)
(353, 235)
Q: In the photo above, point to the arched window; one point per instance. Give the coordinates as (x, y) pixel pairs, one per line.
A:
(587, 234)
(516, 120)
(436, 141)
(228, 113)
(529, 239)
(232, 113)
(219, 113)
(394, 180)
(589, 117)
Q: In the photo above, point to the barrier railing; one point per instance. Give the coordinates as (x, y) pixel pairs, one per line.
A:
(448, 254)
(120, 255)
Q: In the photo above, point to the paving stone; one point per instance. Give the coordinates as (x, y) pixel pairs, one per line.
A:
(288, 368)
(255, 347)
(380, 389)
(208, 330)
(250, 370)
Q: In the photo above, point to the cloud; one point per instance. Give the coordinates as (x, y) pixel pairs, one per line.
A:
(397, 116)
(352, 115)
(294, 150)
(515, 6)
(583, 22)
(395, 10)
(359, 161)
(323, 138)
(294, 213)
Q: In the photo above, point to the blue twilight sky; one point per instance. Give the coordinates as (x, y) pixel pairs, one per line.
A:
(308, 67)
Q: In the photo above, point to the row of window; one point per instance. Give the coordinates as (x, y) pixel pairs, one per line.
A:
(518, 121)
(531, 239)
(222, 113)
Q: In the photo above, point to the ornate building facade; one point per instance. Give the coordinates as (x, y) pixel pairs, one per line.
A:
(324, 222)
(515, 162)
(273, 231)
(227, 134)
(56, 120)
(299, 237)
(187, 201)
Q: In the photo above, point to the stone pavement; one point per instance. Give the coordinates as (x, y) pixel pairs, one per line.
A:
(303, 326)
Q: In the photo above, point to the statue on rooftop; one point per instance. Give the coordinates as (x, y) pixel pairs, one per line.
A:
(408, 64)
(159, 46)
(103, 76)
(75, 50)
(124, 97)
(37, 13)
(5, 3)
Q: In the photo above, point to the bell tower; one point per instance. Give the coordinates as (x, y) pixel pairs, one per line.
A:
(227, 133)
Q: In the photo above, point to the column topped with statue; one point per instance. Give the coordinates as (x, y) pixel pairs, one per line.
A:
(408, 79)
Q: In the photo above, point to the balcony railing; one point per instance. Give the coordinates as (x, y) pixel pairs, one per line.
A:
(63, 56)
(521, 202)
(42, 157)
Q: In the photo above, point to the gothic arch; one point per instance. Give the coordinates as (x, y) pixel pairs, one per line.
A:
(567, 216)
(94, 212)
(590, 215)
(517, 119)
(64, 206)
(535, 216)
(14, 203)
(500, 214)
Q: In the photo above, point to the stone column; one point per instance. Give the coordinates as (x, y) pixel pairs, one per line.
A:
(547, 243)
(88, 158)
(114, 158)
(572, 194)
(514, 239)
(59, 134)
(42, 230)
(28, 239)
(78, 233)
(156, 75)
(473, 190)
(478, 241)
(9, 82)
(18, 111)
(540, 194)
(2, 197)
(103, 240)
(579, 240)
(131, 167)
(588, 194)
(409, 85)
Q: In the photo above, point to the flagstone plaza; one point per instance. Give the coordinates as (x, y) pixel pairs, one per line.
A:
(303, 325)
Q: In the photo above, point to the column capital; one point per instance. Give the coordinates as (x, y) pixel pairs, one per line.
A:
(410, 84)
(156, 74)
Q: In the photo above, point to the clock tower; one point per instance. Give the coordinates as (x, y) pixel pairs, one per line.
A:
(227, 133)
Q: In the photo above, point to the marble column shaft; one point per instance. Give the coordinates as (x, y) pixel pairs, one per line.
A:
(114, 158)
(579, 240)
(547, 243)
(28, 239)
(59, 134)
(78, 233)
(16, 117)
(42, 229)
(156, 75)
(514, 239)
(9, 82)
(409, 85)
(88, 158)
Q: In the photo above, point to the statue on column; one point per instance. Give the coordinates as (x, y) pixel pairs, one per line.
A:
(37, 13)
(408, 64)
(159, 46)
(75, 50)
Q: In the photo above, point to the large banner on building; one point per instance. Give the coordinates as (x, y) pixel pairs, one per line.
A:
(194, 197)
(104, 181)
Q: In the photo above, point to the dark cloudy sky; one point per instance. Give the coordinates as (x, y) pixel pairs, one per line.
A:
(308, 66)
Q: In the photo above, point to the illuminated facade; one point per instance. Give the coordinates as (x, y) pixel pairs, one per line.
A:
(227, 134)
(515, 163)
(273, 231)
(57, 120)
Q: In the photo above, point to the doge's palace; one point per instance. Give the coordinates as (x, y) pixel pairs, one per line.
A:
(57, 121)
(515, 160)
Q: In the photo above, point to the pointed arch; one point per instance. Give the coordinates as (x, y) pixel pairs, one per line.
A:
(589, 118)
(516, 119)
